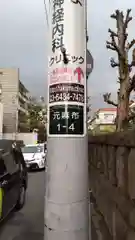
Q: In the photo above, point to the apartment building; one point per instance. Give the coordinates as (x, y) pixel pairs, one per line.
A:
(15, 98)
(23, 100)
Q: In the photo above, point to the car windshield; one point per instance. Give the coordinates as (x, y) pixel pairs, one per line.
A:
(32, 149)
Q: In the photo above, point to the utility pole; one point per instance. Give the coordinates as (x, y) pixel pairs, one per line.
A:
(66, 197)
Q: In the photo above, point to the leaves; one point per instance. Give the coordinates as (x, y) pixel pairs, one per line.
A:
(37, 116)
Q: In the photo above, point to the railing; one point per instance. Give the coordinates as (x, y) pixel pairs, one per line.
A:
(23, 97)
(21, 108)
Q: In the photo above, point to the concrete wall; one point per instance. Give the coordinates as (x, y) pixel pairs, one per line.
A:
(112, 184)
(9, 82)
(27, 138)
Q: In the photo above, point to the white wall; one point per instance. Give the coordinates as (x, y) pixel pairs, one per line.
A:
(27, 138)
(107, 117)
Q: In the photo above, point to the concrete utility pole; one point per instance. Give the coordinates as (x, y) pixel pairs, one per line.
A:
(66, 198)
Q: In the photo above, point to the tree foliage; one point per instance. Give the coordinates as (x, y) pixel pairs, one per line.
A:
(36, 116)
(119, 43)
(23, 122)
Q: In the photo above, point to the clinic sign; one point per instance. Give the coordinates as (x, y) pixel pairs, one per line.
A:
(66, 75)
(67, 82)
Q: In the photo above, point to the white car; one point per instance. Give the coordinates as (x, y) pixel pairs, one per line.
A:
(35, 156)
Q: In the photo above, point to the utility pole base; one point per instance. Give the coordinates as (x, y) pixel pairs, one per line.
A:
(66, 199)
(78, 235)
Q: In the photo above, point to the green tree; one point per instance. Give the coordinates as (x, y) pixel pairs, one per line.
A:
(23, 122)
(36, 116)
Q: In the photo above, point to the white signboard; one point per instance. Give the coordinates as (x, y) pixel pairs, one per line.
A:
(67, 79)
(66, 34)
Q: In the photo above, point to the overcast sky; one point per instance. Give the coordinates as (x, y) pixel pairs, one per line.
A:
(23, 43)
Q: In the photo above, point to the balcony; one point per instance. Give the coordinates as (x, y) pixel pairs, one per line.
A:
(22, 109)
(23, 97)
(23, 106)
(23, 92)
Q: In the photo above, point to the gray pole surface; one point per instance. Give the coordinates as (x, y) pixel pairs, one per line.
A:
(66, 198)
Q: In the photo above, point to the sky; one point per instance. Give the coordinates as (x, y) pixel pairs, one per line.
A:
(24, 44)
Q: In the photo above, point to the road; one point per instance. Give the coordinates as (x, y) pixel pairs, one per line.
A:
(29, 222)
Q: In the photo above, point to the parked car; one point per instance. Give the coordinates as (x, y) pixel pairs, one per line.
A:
(13, 178)
(35, 156)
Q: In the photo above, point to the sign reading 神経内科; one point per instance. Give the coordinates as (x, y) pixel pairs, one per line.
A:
(67, 82)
